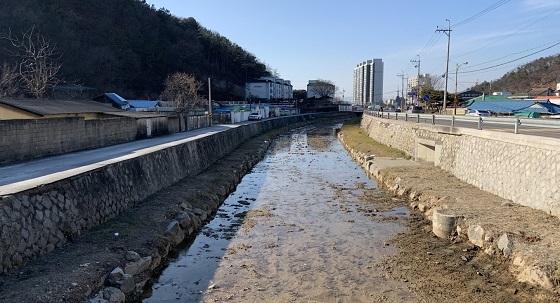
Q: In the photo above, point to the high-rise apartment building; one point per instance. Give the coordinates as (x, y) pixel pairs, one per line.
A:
(368, 82)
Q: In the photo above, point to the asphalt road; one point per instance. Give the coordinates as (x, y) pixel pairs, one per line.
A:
(534, 127)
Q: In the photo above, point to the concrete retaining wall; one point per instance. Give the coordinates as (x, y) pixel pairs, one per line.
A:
(32, 138)
(26, 139)
(524, 169)
(36, 221)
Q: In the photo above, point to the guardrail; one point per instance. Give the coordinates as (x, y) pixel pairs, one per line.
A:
(513, 123)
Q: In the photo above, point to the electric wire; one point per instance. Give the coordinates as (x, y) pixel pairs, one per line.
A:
(503, 38)
(482, 69)
(512, 54)
(481, 13)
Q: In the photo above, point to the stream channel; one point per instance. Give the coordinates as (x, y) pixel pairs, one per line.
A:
(305, 225)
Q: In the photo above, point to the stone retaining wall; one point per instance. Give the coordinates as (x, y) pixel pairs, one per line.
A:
(521, 168)
(37, 221)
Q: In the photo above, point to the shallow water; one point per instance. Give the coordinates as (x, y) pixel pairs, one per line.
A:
(306, 225)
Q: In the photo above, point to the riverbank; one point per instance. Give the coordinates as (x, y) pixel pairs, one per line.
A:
(497, 252)
(139, 240)
(120, 256)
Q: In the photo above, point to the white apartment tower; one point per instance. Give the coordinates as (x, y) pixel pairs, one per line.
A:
(368, 82)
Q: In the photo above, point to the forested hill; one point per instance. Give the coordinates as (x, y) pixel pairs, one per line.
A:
(129, 47)
(540, 73)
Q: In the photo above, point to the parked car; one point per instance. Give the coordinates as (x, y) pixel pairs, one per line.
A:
(255, 116)
(415, 109)
(478, 113)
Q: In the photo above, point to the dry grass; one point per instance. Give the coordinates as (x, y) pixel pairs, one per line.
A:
(357, 138)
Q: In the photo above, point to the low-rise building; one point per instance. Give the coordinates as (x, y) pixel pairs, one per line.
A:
(268, 88)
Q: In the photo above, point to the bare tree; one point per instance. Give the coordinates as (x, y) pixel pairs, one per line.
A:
(436, 82)
(324, 89)
(8, 81)
(37, 65)
(182, 89)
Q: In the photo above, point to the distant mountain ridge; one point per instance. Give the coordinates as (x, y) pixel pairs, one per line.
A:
(130, 47)
(541, 73)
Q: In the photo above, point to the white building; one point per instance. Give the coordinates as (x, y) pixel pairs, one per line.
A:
(425, 82)
(368, 82)
(269, 88)
(316, 88)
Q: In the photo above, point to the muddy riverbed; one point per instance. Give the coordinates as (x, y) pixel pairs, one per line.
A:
(306, 225)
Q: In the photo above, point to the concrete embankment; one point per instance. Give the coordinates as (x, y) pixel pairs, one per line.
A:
(523, 237)
(36, 221)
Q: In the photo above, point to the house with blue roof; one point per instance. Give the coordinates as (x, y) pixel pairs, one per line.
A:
(121, 103)
(144, 105)
(501, 105)
(113, 99)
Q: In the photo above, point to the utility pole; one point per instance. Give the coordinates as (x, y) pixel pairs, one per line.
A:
(448, 33)
(209, 100)
(402, 89)
(418, 87)
(456, 80)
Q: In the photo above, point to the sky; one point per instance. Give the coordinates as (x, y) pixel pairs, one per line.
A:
(324, 39)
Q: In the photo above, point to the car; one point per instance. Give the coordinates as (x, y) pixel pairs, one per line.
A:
(415, 109)
(478, 113)
(255, 117)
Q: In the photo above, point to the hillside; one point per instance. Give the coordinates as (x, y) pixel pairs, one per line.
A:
(129, 47)
(541, 73)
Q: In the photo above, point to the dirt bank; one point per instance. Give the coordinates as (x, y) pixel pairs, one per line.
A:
(454, 269)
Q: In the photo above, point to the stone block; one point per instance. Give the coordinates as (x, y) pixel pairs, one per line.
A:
(113, 295)
(132, 256)
(505, 244)
(476, 235)
(175, 232)
(134, 268)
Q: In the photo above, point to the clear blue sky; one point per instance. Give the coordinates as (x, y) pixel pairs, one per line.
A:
(310, 39)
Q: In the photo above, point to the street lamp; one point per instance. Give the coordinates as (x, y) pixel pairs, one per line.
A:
(457, 99)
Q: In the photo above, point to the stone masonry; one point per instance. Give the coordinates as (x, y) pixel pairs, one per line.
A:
(38, 220)
(523, 169)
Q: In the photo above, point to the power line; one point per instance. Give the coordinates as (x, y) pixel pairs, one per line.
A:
(512, 54)
(481, 13)
(496, 41)
(542, 50)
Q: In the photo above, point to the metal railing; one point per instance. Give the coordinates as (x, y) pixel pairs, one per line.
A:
(515, 124)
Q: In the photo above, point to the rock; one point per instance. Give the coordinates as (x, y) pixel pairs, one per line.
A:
(198, 212)
(505, 245)
(134, 268)
(116, 275)
(184, 220)
(444, 225)
(185, 206)
(476, 235)
(532, 273)
(97, 299)
(113, 295)
(175, 232)
(127, 284)
(132, 256)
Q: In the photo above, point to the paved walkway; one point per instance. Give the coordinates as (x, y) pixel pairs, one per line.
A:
(26, 175)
